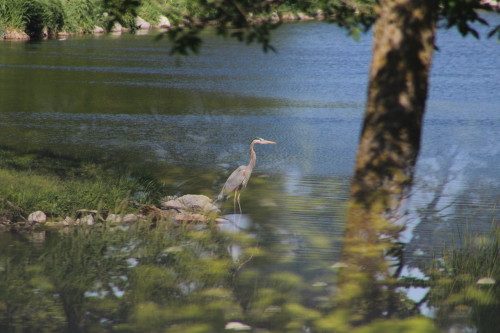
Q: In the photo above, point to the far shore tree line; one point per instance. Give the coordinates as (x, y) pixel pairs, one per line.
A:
(28, 19)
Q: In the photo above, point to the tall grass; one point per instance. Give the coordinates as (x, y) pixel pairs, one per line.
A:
(466, 283)
(30, 191)
(13, 14)
(152, 10)
(82, 16)
(54, 16)
(60, 186)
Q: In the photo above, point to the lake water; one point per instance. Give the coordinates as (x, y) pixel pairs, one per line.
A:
(125, 99)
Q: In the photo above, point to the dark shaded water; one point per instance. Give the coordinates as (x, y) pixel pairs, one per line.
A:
(124, 98)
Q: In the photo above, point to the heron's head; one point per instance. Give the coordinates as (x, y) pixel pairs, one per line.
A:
(263, 142)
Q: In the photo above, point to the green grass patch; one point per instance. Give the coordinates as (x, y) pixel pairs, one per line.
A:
(13, 14)
(59, 185)
(54, 16)
(152, 10)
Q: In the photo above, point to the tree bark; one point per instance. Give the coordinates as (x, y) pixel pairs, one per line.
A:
(387, 153)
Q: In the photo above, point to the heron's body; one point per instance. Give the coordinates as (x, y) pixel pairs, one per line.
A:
(238, 180)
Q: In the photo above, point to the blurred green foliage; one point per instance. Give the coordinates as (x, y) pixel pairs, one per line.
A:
(162, 276)
(33, 16)
(465, 284)
(139, 279)
(13, 14)
(159, 276)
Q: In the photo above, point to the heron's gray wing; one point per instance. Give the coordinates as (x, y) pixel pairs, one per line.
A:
(237, 179)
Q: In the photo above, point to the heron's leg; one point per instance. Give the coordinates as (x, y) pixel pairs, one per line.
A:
(234, 201)
(239, 205)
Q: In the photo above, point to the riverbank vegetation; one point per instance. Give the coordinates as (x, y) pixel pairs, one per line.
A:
(23, 19)
(59, 186)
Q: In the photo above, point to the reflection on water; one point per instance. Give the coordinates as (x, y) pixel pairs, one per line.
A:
(159, 276)
(125, 101)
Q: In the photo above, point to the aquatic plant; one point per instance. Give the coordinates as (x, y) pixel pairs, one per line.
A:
(464, 284)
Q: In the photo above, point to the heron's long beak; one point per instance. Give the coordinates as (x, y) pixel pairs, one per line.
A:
(268, 142)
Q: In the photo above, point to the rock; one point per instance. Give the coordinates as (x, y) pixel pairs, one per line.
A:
(37, 217)
(68, 221)
(192, 203)
(117, 27)
(15, 34)
(184, 217)
(114, 218)
(98, 30)
(96, 215)
(287, 17)
(88, 220)
(237, 326)
(303, 17)
(141, 24)
(117, 218)
(486, 281)
(173, 249)
(163, 22)
(130, 218)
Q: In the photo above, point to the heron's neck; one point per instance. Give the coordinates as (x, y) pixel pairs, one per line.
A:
(253, 157)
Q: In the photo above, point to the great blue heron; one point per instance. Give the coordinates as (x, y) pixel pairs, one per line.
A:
(238, 180)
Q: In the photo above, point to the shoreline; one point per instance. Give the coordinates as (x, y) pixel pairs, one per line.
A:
(163, 23)
(12, 34)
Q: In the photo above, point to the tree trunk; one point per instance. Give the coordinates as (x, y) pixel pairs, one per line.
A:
(388, 150)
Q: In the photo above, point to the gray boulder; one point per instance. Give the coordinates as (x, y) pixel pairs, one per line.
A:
(37, 217)
(192, 203)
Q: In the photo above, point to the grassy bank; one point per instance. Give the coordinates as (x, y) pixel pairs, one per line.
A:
(23, 19)
(35, 18)
(59, 186)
